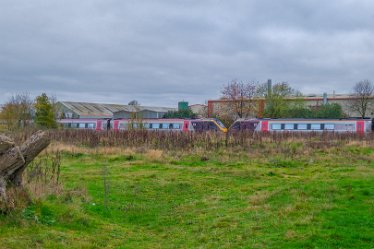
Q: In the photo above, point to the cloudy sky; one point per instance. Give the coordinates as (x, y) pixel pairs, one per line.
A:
(162, 51)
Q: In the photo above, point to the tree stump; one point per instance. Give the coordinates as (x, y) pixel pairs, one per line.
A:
(14, 159)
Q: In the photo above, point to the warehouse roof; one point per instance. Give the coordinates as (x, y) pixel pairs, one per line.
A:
(106, 110)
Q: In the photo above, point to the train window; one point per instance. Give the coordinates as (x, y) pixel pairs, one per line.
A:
(74, 125)
(122, 126)
(135, 126)
(236, 126)
(344, 127)
(91, 125)
(289, 126)
(146, 126)
(219, 123)
(251, 126)
(176, 126)
(302, 126)
(212, 126)
(198, 126)
(315, 126)
(350, 127)
(82, 125)
(165, 126)
(67, 125)
(276, 126)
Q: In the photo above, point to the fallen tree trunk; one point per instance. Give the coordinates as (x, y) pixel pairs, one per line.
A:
(14, 159)
(5, 144)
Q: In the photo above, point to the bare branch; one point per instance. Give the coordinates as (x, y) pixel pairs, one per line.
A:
(240, 97)
(362, 97)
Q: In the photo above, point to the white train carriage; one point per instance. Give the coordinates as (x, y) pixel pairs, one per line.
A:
(184, 125)
(303, 125)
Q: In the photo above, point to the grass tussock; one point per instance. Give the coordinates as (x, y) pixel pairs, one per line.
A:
(154, 155)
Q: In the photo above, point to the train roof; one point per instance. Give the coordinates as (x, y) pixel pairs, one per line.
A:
(145, 119)
(304, 119)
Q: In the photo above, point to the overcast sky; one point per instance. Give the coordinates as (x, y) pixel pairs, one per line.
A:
(163, 51)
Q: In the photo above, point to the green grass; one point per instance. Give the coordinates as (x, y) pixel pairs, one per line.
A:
(322, 199)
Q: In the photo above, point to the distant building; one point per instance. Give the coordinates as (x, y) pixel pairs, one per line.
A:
(199, 109)
(142, 112)
(77, 110)
(216, 106)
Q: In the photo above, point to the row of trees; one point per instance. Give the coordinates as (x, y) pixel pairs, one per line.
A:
(282, 101)
(21, 111)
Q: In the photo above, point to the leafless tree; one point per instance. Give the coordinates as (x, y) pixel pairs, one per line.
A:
(17, 112)
(240, 97)
(363, 97)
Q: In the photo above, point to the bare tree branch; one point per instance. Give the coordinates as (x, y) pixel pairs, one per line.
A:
(240, 97)
(363, 97)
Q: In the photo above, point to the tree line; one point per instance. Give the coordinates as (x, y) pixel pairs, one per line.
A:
(241, 99)
(21, 111)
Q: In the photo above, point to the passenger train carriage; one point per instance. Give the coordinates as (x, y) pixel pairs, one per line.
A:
(303, 125)
(185, 125)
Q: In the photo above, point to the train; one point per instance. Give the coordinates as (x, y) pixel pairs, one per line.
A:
(351, 125)
(183, 125)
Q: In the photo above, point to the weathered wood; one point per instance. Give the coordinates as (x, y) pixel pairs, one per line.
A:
(5, 144)
(30, 149)
(3, 189)
(14, 160)
(10, 162)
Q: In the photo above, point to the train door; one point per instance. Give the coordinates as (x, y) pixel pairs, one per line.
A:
(264, 125)
(185, 125)
(99, 124)
(360, 126)
(108, 124)
(206, 125)
(115, 125)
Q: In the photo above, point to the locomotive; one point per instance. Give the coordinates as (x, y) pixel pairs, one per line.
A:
(351, 125)
(184, 125)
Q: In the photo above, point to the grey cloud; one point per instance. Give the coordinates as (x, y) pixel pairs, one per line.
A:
(160, 52)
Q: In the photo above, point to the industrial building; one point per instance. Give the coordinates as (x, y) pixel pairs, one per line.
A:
(142, 112)
(199, 109)
(217, 106)
(78, 110)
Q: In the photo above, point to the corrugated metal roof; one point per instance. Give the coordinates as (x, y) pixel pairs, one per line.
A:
(107, 110)
(130, 108)
(157, 109)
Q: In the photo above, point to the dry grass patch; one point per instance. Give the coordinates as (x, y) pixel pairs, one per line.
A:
(74, 149)
(259, 198)
(39, 190)
(154, 155)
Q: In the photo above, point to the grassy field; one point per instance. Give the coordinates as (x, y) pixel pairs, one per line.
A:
(299, 197)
